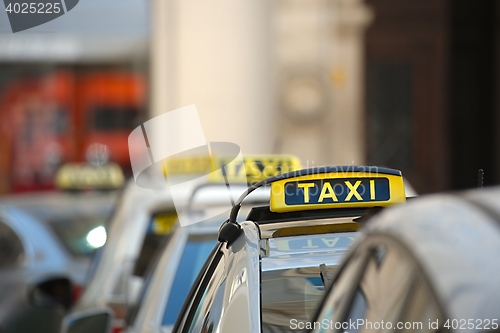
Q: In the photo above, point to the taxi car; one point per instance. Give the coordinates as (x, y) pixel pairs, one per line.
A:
(272, 267)
(33, 262)
(429, 266)
(47, 241)
(78, 222)
(182, 259)
(144, 220)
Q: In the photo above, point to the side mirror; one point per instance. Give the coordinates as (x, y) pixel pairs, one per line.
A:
(92, 321)
(52, 292)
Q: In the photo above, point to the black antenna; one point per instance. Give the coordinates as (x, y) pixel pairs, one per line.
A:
(480, 178)
(227, 183)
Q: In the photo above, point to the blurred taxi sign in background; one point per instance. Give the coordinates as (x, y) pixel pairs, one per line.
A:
(183, 166)
(83, 176)
(253, 168)
(256, 167)
(162, 223)
(222, 168)
(344, 187)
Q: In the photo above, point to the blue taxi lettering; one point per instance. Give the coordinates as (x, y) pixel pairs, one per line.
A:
(338, 190)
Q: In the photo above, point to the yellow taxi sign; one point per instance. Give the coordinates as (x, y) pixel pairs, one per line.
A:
(83, 176)
(163, 224)
(255, 168)
(345, 187)
(188, 165)
(251, 169)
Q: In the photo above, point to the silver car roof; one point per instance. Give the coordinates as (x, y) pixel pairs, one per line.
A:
(50, 206)
(456, 240)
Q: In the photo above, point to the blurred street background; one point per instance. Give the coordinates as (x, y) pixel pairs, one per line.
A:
(411, 85)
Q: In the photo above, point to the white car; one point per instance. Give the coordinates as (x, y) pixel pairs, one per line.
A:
(32, 258)
(272, 268)
(131, 245)
(132, 240)
(183, 258)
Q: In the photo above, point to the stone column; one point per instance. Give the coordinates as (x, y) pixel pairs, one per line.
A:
(319, 57)
(347, 76)
(162, 62)
(215, 55)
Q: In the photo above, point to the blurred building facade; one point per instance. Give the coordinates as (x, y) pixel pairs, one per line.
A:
(70, 90)
(332, 81)
(409, 84)
(406, 80)
(432, 106)
(274, 77)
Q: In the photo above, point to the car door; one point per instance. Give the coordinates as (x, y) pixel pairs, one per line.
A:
(226, 296)
(19, 311)
(13, 276)
(386, 290)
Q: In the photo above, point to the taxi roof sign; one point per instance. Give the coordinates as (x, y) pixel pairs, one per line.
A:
(380, 187)
(251, 169)
(338, 187)
(83, 176)
(187, 165)
(255, 168)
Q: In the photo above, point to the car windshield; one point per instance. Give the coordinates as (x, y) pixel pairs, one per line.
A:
(287, 294)
(291, 281)
(194, 255)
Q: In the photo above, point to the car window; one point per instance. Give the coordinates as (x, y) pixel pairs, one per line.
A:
(196, 252)
(11, 247)
(208, 299)
(291, 293)
(159, 228)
